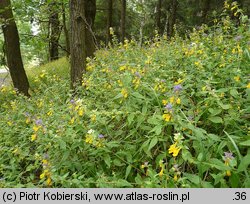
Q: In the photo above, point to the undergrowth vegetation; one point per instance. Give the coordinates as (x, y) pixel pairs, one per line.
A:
(173, 113)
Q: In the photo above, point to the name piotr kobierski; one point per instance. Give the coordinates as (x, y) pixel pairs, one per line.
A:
(53, 196)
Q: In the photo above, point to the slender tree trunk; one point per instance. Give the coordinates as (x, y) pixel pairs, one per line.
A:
(158, 16)
(123, 20)
(12, 45)
(77, 41)
(109, 20)
(54, 31)
(66, 32)
(172, 19)
(90, 12)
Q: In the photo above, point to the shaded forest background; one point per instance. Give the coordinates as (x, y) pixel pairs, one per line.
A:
(44, 24)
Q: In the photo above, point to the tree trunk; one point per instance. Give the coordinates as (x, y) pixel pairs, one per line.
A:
(65, 29)
(54, 31)
(206, 8)
(90, 11)
(12, 45)
(109, 20)
(123, 20)
(158, 16)
(172, 19)
(77, 41)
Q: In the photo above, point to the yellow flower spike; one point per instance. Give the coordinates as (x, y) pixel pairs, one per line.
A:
(36, 128)
(42, 176)
(174, 150)
(228, 173)
(49, 181)
(80, 112)
(164, 102)
(15, 151)
(166, 117)
(178, 101)
(161, 172)
(175, 177)
(45, 162)
(33, 137)
(179, 81)
(124, 92)
(49, 113)
(9, 123)
(89, 139)
(27, 121)
(72, 121)
(93, 117)
(172, 99)
(248, 86)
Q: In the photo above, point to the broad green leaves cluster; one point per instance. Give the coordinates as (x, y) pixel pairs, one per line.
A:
(173, 113)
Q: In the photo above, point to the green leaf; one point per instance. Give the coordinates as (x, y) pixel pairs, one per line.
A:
(218, 164)
(214, 112)
(234, 93)
(128, 170)
(216, 119)
(245, 162)
(131, 118)
(62, 144)
(117, 162)
(225, 106)
(234, 180)
(157, 129)
(137, 95)
(144, 109)
(193, 178)
(107, 160)
(245, 143)
(153, 120)
(153, 142)
(123, 183)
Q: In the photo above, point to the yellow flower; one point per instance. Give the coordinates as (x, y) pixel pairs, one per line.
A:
(80, 112)
(89, 139)
(178, 82)
(161, 172)
(36, 128)
(175, 177)
(237, 78)
(228, 173)
(9, 123)
(173, 149)
(42, 175)
(33, 137)
(93, 117)
(15, 151)
(72, 120)
(45, 162)
(164, 102)
(124, 93)
(166, 117)
(172, 99)
(178, 101)
(27, 120)
(49, 113)
(248, 86)
(49, 181)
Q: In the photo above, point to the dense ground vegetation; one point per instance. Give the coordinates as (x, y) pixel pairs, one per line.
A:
(173, 113)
